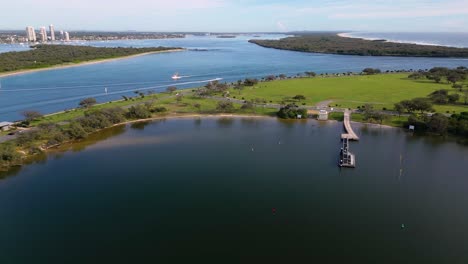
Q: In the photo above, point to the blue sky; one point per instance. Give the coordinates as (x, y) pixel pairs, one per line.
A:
(238, 15)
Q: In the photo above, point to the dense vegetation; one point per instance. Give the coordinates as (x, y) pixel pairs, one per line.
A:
(292, 111)
(47, 135)
(42, 56)
(333, 44)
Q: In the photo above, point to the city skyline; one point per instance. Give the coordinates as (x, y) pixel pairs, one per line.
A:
(31, 35)
(242, 15)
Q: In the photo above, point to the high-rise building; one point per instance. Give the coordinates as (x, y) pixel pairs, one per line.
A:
(30, 34)
(67, 36)
(43, 34)
(52, 32)
(61, 35)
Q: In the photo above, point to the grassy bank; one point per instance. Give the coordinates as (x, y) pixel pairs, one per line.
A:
(382, 91)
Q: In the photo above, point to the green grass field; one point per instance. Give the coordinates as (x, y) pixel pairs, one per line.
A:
(351, 91)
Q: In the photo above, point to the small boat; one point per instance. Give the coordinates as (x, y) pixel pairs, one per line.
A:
(176, 76)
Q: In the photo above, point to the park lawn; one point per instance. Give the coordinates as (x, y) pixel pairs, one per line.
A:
(383, 91)
(208, 106)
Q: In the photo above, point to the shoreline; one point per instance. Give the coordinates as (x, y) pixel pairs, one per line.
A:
(349, 35)
(85, 63)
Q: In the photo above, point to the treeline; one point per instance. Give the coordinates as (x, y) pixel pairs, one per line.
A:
(42, 56)
(457, 124)
(439, 74)
(333, 44)
(48, 135)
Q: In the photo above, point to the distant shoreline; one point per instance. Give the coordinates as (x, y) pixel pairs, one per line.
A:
(85, 63)
(349, 35)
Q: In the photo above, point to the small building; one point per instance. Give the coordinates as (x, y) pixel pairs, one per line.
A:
(5, 126)
(323, 115)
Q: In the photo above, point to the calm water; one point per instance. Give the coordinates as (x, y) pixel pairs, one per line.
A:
(459, 39)
(190, 190)
(207, 58)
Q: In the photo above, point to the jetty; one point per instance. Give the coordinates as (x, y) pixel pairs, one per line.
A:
(347, 159)
(350, 135)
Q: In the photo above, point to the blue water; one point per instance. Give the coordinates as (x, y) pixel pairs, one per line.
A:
(459, 39)
(230, 59)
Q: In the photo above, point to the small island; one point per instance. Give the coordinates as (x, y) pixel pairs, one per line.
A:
(47, 56)
(334, 44)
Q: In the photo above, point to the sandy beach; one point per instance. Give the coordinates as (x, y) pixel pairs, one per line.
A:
(64, 66)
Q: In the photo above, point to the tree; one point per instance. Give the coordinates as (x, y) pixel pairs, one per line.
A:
(453, 98)
(88, 102)
(310, 74)
(422, 104)
(197, 106)
(282, 76)
(291, 111)
(138, 112)
(31, 115)
(247, 106)
(250, 82)
(270, 78)
(171, 89)
(299, 97)
(458, 86)
(179, 98)
(371, 71)
(465, 96)
(224, 106)
(417, 76)
(439, 96)
(399, 108)
(76, 130)
(438, 124)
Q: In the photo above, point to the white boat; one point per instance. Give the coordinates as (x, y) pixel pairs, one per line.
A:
(176, 76)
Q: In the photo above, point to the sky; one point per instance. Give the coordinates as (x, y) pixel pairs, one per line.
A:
(238, 15)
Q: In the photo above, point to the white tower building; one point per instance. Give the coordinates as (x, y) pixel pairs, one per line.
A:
(67, 36)
(43, 34)
(52, 32)
(30, 34)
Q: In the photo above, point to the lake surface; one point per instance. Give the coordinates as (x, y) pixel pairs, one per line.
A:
(239, 190)
(207, 58)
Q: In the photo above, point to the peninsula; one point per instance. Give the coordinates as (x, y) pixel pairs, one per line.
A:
(58, 56)
(333, 44)
(432, 101)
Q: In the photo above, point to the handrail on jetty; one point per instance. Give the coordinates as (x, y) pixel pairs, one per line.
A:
(350, 135)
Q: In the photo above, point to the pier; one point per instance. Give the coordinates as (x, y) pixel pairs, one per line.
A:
(347, 159)
(349, 130)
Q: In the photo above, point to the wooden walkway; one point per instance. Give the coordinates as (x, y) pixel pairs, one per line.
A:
(350, 135)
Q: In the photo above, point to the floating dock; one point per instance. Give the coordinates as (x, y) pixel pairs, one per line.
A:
(347, 159)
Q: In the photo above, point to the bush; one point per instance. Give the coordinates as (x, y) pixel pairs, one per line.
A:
(291, 112)
(76, 131)
(88, 102)
(138, 112)
(247, 106)
(371, 71)
(159, 109)
(224, 106)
